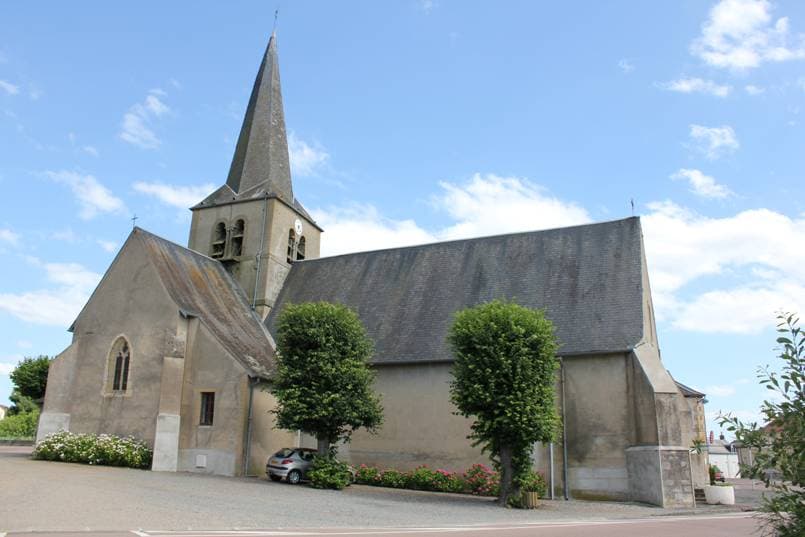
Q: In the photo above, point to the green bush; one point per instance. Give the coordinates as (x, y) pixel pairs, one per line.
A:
(712, 471)
(20, 426)
(423, 478)
(394, 479)
(105, 449)
(367, 475)
(329, 473)
(534, 482)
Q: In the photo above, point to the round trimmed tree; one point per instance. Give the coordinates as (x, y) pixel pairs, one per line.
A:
(324, 384)
(504, 380)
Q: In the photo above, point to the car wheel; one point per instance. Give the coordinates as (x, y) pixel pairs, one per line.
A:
(294, 477)
(274, 478)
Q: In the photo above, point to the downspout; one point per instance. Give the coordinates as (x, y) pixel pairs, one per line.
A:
(260, 252)
(253, 381)
(564, 433)
(550, 463)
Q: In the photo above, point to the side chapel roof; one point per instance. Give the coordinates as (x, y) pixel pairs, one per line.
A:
(588, 279)
(201, 287)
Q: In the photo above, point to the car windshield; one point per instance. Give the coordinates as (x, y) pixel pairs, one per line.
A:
(287, 452)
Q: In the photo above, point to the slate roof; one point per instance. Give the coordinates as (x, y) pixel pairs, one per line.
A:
(687, 391)
(588, 279)
(261, 154)
(202, 288)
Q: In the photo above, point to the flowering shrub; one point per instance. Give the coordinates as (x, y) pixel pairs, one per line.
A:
(367, 475)
(105, 449)
(481, 480)
(394, 479)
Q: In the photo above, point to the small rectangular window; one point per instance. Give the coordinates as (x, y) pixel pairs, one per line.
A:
(207, 408)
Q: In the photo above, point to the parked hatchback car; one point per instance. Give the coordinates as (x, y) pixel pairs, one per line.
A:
(291, 464)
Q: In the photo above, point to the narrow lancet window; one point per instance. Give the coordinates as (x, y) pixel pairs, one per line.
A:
(218, 241)
(291, 245)
(119, 362)
(300, 249)
(236, 247)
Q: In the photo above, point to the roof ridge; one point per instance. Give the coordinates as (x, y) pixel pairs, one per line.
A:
(468, 239)
(163, 239)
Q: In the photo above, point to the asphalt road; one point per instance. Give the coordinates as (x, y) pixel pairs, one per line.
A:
(735, 525)
(38, 496)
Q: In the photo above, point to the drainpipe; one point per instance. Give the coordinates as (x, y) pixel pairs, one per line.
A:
(260, 252)
(550, 463)
(564, 433)
(253, 381)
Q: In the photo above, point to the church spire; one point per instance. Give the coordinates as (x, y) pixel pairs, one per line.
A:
(261, 155)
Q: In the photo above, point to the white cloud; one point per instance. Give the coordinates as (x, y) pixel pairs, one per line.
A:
(427, 5)
(741, 34)
(7, 367)
(626, 65)
(714, 142)
(57, 305)
(137, 126)
(9, 88)
(67, 235)
(491, 204)
(723, 275)
(24, 344)
(306, 160)
(6, 235)
(180, 196)
(751, 89)
(90, 150)
(684, 248)
(702, 185)
(484, 205)
(721, 390)
(376, 232)
(93, 197)
(696, 85)
(108, 246)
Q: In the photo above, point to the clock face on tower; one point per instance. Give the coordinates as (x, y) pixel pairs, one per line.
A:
(297, 226)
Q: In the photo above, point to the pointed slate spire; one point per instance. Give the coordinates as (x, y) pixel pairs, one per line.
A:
(261, 155)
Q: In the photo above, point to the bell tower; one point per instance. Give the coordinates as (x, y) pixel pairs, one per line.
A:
(253, 224)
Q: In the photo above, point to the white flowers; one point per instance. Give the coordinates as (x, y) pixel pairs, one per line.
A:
(102, 449)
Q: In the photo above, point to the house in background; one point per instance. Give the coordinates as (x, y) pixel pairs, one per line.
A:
(3, 411)
(176, 345)
(724, 455)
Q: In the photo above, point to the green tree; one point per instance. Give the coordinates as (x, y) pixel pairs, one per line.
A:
(778, 448)
(30, 379)
(324, 384)
(504, 378)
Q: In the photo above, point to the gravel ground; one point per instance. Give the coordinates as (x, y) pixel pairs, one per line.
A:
(37, 495)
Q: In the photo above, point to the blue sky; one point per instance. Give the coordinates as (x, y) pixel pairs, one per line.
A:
(416, 121)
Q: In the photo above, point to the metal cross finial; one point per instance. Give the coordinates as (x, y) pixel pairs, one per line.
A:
(632, 202)
(134, 221)
(276, 15)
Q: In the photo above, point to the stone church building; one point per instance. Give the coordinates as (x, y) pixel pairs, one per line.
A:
(175, 346)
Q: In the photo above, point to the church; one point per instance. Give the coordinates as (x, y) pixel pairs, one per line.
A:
(175, 346)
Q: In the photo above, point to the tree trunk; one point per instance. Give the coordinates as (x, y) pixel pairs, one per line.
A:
(323, 445)
(505, 475)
